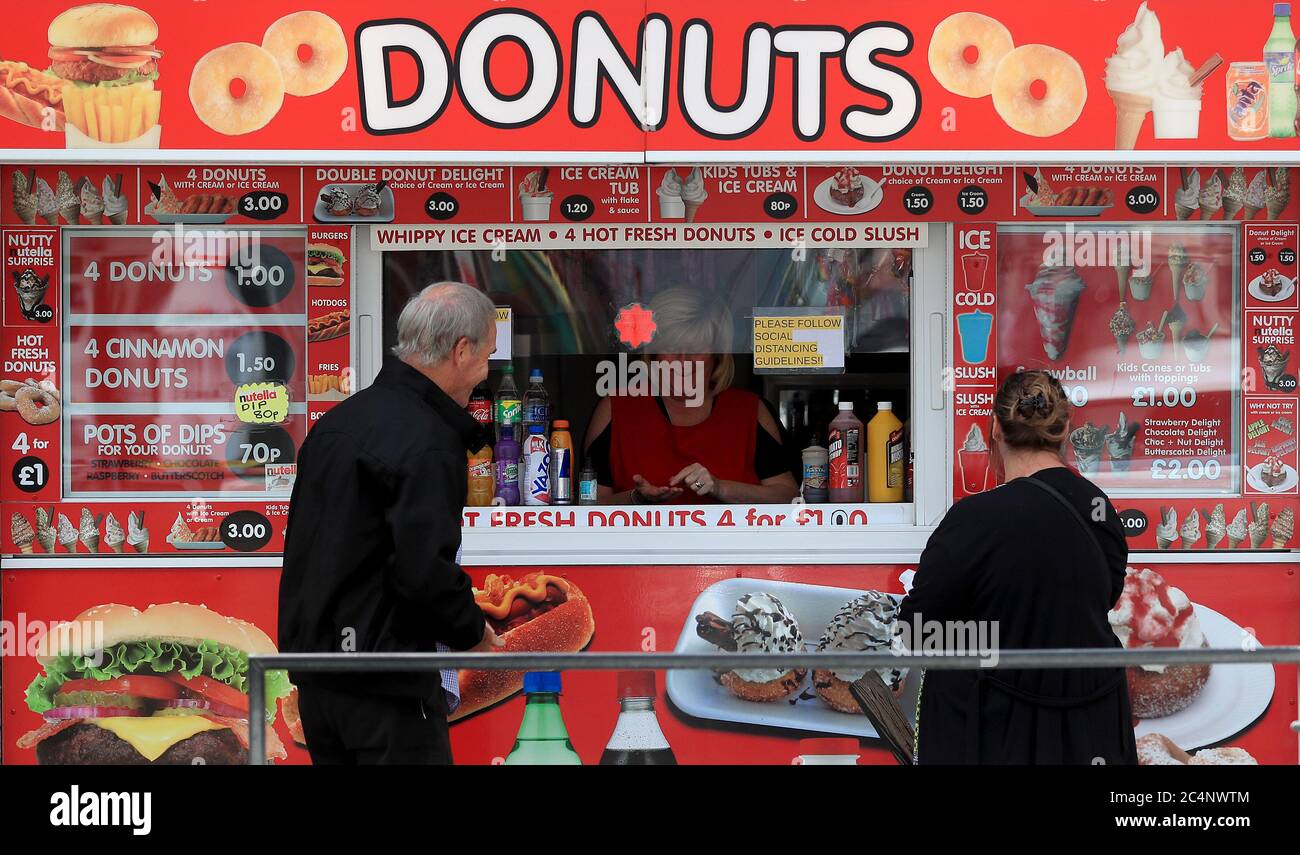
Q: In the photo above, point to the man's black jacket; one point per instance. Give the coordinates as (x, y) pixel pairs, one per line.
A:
(374, 526)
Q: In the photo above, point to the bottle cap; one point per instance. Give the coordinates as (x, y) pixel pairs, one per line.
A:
(541, 681)
(846, 405)
(536, 429)
(884, 405)
(508, 368)
(636, 684)
(560, 424)
(825, 746)
(536, 372)
(1282, 9)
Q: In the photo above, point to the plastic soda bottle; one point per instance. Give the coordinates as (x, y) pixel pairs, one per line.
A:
(587, 484)
(637, 739)
(480, 406)
(1279, 57)
(561, 464)
(482, 478)
(536, 404)
(543, 739)
(507, 469)
(509, 406)
(816, 463)
(845, 452)
(537, 467)
(886, 466)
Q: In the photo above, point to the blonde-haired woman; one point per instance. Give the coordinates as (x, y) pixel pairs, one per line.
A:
(699, 439)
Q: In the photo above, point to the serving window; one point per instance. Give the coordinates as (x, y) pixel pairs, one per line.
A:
(603, 323)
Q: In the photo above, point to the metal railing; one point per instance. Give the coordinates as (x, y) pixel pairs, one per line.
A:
(370, 663)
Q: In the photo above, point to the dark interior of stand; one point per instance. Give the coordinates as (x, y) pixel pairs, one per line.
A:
(564, 304)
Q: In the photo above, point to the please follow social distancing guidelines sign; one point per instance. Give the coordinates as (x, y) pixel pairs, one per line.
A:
(810, 340)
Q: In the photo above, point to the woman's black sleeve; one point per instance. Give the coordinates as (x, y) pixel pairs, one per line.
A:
(772, 455)
(598, 453)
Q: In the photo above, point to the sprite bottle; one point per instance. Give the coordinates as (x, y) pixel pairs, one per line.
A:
(542, 739)
(1279, 58)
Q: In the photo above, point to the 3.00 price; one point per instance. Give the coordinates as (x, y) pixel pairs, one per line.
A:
(249, 531)
(1170, 396)
(1190, 470)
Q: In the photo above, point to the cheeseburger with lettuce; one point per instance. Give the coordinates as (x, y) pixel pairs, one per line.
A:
(165, 686)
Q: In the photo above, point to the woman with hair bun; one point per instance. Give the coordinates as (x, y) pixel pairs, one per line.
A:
(1040, 561)
(699, 439)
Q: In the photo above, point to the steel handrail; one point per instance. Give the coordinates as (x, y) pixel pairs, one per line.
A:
(343, 663)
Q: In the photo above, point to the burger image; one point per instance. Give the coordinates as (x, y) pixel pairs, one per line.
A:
(104, 44)
(324, 265)
(164, 686)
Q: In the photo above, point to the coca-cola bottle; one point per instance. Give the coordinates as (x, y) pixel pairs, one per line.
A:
(637, 739)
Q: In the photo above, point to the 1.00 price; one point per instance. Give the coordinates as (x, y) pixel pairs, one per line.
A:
(1170, 396)
(1191, 470)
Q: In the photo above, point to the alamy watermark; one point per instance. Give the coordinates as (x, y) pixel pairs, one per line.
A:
(950, 638)
(638, 377)
(181, 247)
(1098, 248)
(25, 637)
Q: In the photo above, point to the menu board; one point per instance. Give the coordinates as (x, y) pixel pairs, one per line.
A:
(1139, 325)
(185, 369)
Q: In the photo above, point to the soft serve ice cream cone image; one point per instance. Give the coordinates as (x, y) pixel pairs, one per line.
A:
(973, 457)
(681, 198)
(1141, 78)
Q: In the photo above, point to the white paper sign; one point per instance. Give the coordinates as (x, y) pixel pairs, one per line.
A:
(505, 322)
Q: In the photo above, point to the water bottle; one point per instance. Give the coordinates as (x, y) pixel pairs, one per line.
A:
(587, 484)
(543, 740)
(537, 404)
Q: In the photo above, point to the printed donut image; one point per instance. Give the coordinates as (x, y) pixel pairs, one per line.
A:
(36, 405)
(211, 93)
(1039, 90)
(965, 50)
(326, 50)
(8, 403)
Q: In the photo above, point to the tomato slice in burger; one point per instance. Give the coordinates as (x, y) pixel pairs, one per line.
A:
(214, 691)
(157, 688)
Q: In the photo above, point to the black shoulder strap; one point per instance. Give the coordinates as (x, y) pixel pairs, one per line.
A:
(1074, 512)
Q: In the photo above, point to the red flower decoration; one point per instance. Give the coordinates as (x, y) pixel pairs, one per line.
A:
(635, 325)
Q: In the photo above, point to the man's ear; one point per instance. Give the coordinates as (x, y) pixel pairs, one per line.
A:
(995, 432)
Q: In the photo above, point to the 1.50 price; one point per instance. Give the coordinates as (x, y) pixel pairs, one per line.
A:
(1189, 470)
(1170, 396)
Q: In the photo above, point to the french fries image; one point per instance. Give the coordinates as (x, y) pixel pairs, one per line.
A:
(117, 114)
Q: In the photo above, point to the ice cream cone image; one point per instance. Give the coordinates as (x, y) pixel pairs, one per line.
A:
(118, 219)
(1190, 532)
(1216, 526)
(67, 534)
(691, 209)
(1231, 208)
(1055, 292)
(1233, 541)
(1276, 207)
(1208, 212)
(137, 535)
(52, 217)
(1184, 212)
(45, 532)
(1122, 326)
(1283, 528)
(1251, 211)
(21, 531)
(25, 208)
(71, 214)
(1088, 442)
(1123, 272)
(114, 536)
(1258, 527)
(1237, 529)
(1131, 112)
(1165, 542)
(88, 531)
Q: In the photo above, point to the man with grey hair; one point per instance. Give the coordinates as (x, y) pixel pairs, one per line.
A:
(371, 553)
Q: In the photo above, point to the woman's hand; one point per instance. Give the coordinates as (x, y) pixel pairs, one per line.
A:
(698, 480)
(653, 494)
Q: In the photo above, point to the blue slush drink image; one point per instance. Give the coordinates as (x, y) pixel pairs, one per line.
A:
(974, 329)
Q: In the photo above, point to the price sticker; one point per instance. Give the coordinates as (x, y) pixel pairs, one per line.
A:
(780, 206)
(973, 200)
(918, 201)
(245, 531)
(31, 474)
(263, 205)
(441, 206)
(577, 208)
(1142, 199)
(262, 403)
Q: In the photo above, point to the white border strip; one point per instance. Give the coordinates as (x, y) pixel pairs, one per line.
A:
(1019, 157)
(155, 321)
